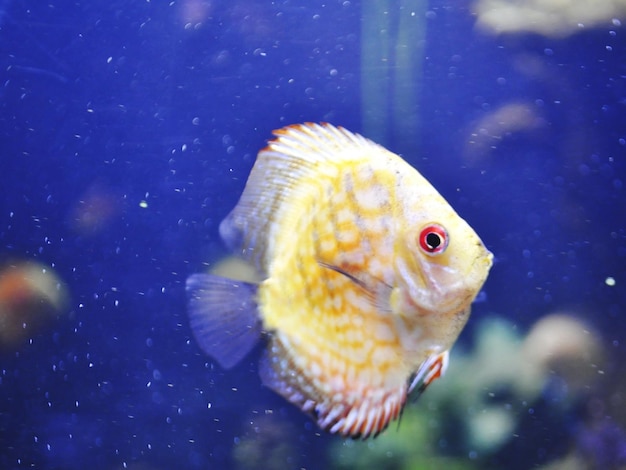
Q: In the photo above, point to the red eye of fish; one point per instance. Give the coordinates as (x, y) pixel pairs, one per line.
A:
(433, 239)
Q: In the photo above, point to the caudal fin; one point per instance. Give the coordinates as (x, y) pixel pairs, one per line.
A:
(223, 317)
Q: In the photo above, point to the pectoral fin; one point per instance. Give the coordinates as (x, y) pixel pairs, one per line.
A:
(376, 290)
(431, 369)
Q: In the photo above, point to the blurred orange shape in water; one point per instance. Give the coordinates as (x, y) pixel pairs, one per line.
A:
(31, 296)
(195, 11)
(488, 132)
(95, 210)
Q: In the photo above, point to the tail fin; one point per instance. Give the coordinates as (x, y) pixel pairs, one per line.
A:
(223, 317)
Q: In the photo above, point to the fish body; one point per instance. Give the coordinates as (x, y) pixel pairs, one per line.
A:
(368, 278)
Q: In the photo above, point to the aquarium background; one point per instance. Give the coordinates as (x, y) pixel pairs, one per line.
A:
(127, 131)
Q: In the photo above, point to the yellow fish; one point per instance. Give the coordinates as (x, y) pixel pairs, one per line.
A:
(368, 278)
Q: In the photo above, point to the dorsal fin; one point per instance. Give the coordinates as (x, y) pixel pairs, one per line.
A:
(299, 152)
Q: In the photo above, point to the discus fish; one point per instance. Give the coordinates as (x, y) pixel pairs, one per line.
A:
(368, 278)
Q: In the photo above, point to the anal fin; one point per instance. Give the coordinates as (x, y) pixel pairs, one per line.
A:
(223, 317)
(278, 373)
(356, 415)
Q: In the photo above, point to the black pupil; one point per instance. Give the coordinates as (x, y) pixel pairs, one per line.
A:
(433, 240)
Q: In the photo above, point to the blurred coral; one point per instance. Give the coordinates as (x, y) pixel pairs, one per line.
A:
(563, 345)
(555, 18)
(267, 443)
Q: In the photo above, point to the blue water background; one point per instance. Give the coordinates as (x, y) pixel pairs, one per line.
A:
(122, 99)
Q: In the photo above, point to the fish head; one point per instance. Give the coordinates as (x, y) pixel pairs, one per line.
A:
(440, 265)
